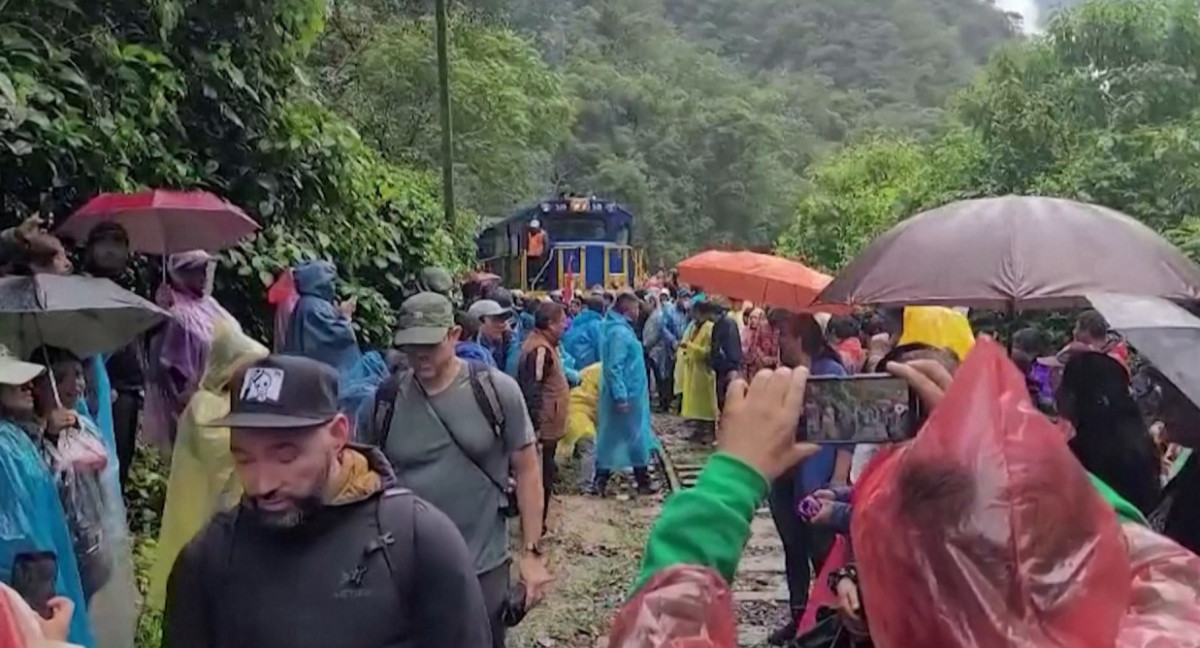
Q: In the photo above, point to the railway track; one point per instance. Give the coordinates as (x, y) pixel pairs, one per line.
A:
(760, 589)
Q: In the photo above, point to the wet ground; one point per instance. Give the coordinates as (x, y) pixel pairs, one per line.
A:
(596, 545)
(759, 591)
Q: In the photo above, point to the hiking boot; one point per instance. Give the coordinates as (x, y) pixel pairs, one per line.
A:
(641, 476)
(786, 633)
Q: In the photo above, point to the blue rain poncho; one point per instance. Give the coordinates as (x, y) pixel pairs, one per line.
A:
(623, 439)
(569, 367)
(583, 340)
(99, 388)
(317, 329)
(32, 519)
(664, 330)
(358, 386)
(474, 352)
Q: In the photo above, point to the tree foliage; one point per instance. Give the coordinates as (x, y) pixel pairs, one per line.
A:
(117, 95)
(1102, 108)
(701, 116)
(510, 110)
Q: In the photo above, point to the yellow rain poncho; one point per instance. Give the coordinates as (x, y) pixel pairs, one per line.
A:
(680, 365)
(582, 412)
(699, 381)
(940, 327)
(202, 482)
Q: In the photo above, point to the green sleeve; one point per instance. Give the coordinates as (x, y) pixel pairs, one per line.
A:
(1126, 512)
(706, 525)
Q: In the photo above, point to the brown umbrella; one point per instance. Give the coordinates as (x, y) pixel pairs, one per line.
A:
(1014, 253)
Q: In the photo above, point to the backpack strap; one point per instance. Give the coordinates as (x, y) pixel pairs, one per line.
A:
(484, 389)
(384, 410)
(395, 516)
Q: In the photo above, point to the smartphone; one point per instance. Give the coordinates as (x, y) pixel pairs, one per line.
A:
(34, 575)
(867, 408)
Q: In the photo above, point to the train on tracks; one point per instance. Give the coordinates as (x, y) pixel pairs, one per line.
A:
(588, 243)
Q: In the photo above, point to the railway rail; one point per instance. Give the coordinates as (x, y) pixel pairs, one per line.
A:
(760, 588)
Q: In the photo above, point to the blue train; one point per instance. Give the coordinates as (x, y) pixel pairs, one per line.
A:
(587, 242)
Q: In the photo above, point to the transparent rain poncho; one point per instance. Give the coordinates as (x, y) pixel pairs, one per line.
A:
(89, 488)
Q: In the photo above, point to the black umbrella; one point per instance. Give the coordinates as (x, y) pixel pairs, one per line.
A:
(1162, 332)
(1013, 253)
(84, 315)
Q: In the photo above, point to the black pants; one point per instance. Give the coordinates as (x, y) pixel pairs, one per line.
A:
(125, 426)
(664, 384)
(549, 474)
(666, 391)
(495, 594)
(805, 547)
(533, 265)
(723, 380)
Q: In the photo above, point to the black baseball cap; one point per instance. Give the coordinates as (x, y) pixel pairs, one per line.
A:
(283, 391)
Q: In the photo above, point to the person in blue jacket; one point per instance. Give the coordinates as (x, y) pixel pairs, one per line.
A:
(319, 328)
(623, 437)
(496, 335)
(583, 340)
(32, 519)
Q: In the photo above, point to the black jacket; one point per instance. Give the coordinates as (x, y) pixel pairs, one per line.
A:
(726, 347)
(386, 571)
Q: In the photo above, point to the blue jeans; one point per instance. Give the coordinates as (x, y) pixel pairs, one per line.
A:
(586, 448)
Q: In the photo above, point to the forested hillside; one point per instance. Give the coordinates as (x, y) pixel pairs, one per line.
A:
(1104, 108)
(701, 115)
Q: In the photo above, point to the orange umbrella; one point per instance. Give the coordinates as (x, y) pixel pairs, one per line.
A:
(758, 278)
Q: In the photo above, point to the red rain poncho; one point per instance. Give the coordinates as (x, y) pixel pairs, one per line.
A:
(986, 532)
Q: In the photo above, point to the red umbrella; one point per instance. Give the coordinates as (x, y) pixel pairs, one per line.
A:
(758, 278)
(164, 222)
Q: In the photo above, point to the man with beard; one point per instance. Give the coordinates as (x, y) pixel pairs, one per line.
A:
(323, 550)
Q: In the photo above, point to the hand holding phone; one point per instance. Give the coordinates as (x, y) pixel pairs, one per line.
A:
(57, 626)
(34, 576)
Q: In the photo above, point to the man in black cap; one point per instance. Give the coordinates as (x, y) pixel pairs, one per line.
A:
(323, 549)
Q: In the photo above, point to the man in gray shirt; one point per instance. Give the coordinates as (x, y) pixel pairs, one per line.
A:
(455, 433)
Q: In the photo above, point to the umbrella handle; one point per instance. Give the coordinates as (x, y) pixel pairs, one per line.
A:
(46, 358)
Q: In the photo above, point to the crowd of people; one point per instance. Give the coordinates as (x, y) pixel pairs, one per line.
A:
(309, 470)
(918, 560)
(324, 493)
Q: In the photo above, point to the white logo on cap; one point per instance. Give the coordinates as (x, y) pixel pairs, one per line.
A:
(262, 385)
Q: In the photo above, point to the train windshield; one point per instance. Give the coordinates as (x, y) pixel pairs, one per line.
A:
(577, 228)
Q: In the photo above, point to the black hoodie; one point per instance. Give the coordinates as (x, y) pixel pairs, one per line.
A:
(387, 570)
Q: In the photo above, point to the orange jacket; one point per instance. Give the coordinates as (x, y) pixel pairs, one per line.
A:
(536, 245)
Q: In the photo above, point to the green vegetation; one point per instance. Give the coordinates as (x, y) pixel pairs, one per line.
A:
(124, 94)
(1104, 108)
(700, 115)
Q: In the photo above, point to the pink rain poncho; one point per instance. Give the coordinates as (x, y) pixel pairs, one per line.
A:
(986, 532)
(179, 352)
(686, 606)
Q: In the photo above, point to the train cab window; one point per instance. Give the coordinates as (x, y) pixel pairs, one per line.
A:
(622, 237)
(576, 229)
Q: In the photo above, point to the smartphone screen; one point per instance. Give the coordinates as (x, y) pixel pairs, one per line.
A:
(868, 408)
(34, 575)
